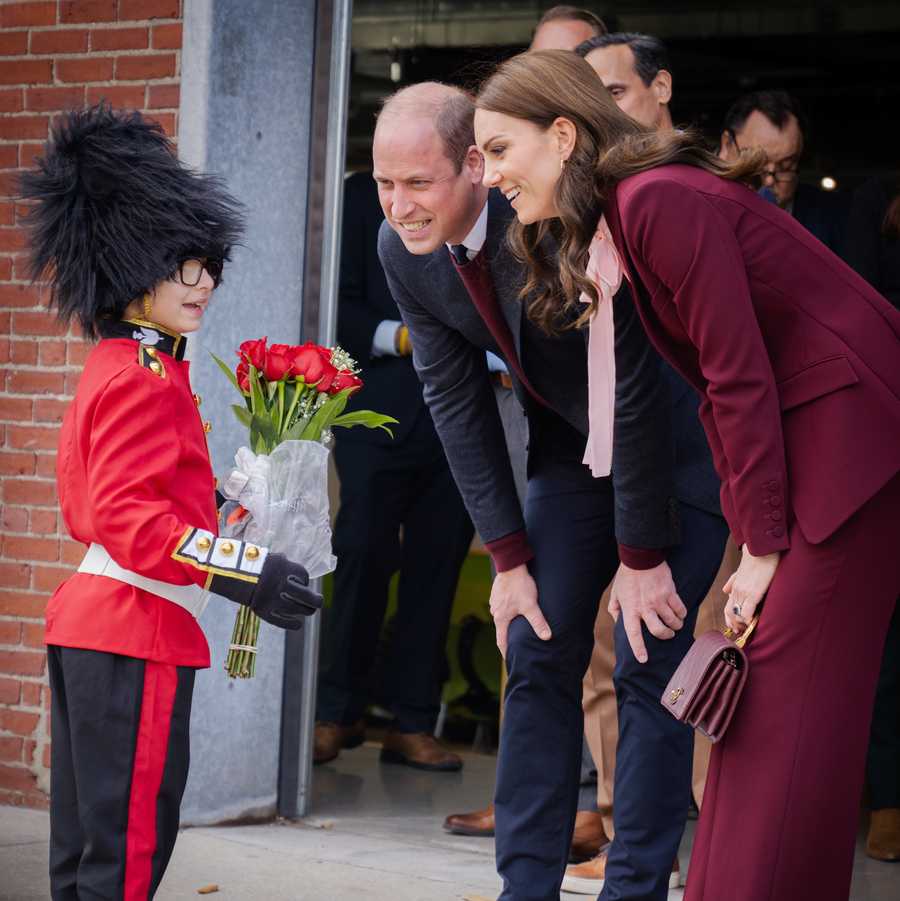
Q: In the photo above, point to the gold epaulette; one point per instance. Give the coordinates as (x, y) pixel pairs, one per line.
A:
(148, 357)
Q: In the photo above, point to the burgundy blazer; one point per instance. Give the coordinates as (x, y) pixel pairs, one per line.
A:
(797, 357)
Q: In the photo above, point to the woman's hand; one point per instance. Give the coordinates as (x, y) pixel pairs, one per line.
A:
(747, 587)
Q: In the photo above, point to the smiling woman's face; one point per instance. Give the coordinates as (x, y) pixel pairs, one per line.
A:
(522, 161)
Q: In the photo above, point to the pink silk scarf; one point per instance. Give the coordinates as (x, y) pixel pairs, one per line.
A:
(605, 270)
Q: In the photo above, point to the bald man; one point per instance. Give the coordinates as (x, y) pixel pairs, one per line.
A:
(565, 27)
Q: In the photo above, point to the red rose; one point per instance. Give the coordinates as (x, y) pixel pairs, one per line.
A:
(243, 376)
(307, 362)
(278, 363)
(254, 352)
(329, 374)
(344, 380)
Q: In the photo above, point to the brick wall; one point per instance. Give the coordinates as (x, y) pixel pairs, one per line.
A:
(53, 56)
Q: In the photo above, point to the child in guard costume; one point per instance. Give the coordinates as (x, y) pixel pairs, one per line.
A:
(134, 244)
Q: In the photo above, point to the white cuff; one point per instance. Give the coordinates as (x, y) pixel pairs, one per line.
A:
(494, 363)
(384, 343)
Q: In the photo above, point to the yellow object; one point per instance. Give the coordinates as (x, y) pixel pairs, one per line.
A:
(251, 553)
(156, 367)
(402, 342)
(744, 637)
(203, 544)
(227, 548)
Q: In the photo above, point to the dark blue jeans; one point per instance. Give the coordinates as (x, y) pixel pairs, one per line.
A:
(570, 523)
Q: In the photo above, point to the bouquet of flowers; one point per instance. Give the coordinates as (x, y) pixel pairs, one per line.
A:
(293, 396)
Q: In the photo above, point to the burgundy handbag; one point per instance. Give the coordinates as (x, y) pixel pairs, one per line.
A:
(705, 689)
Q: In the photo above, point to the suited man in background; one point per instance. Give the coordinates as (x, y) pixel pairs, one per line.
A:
(772, 121)
(387, 484)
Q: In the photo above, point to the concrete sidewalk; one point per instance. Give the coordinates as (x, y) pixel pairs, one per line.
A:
(375, 834)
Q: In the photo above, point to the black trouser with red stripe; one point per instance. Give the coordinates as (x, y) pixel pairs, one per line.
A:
(120, 754)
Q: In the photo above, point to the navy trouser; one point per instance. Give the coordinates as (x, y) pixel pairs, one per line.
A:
(654, 760)
(569, 517)
(119, 764)
(382, 490)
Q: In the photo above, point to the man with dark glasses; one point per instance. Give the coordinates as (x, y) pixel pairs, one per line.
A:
(772, 121)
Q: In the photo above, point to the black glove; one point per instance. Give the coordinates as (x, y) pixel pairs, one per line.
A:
(274, 588)
(281, 597)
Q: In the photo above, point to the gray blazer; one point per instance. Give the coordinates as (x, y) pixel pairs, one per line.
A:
(449, 339)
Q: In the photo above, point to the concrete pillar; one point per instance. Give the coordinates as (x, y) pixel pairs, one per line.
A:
(247, 68)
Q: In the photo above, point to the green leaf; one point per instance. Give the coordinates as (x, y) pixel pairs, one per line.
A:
(258, 404)
(228, 372)
(326, 414)
(367, 418)
(280, 425)
(295, 393)
(243, 414)
(295, 431)
(265, 428)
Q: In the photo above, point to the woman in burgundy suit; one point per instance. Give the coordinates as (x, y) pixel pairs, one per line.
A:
(796, 358)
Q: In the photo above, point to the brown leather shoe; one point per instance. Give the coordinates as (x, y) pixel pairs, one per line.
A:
(588, 839)
(330, 738)
(883, 842)
(419, 750)
(479, 823)
(588, 878)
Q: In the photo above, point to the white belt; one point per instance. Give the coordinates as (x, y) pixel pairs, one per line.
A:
(97, 562)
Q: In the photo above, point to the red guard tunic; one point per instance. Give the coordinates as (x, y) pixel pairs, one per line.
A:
(134, 476)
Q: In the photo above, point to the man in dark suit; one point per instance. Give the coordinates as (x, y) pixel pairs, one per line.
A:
(554, 562)
(771, 120)
(387, 484)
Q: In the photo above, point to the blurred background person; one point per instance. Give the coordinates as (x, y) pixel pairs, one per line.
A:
(772, 121)
(872, 248)
(565, 27)
(387, 485)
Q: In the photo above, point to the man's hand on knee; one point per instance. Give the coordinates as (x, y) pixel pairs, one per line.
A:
(648, 596)
(514, 593)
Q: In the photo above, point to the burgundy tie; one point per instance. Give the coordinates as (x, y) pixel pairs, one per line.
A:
(476, 276)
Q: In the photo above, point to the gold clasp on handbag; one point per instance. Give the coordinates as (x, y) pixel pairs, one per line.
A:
(744, 637)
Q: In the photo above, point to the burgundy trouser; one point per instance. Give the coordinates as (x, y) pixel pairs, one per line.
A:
(781, 808)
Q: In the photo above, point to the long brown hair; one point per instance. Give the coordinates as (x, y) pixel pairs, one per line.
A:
(609, 146)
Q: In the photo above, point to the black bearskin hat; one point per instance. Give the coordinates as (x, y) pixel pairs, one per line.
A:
(116, 212)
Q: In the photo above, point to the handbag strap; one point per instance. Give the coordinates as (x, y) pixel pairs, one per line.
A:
(744, 637)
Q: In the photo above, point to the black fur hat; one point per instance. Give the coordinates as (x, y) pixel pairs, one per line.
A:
(116, 212)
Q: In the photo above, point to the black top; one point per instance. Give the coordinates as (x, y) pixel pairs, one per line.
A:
(867, 249)
(823, 213)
